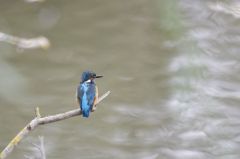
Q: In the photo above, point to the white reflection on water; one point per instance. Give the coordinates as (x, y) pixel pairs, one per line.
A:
(232, 8)
(183, 154)
(49, 17)
(205, 89)
(12, 83)
(34, 1)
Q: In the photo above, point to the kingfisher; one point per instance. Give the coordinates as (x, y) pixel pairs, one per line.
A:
(87, 92)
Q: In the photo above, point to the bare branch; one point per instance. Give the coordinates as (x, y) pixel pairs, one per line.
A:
(23, 43)
(40, 121)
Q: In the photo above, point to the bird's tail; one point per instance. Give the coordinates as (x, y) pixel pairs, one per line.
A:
(86, 112)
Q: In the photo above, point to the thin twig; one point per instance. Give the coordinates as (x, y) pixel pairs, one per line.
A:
(42, 148)
(40, 121)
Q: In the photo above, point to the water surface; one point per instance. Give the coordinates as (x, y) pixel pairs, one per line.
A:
(172, 68)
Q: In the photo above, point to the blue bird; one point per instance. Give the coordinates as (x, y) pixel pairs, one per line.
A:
(87, 92)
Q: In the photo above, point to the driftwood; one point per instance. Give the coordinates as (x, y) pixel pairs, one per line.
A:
(38, 120)
(23, 43)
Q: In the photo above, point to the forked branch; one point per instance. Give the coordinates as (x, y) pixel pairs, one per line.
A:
(38, 120)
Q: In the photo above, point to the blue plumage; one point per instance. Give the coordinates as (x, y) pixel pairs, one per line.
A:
(86, 92)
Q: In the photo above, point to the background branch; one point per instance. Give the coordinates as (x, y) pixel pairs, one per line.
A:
(39, 150)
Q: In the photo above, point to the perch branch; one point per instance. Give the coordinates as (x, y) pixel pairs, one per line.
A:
(38, 120)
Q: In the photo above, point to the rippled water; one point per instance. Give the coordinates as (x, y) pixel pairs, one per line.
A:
(172, 68)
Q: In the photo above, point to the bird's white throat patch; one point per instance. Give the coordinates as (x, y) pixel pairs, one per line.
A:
(88, 81)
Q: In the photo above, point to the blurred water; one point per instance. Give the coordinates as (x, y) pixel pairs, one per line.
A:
(172, 68)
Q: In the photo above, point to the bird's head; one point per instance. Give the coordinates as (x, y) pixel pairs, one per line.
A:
(89, 75)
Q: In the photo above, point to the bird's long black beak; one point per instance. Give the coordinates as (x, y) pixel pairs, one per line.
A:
(98, 76)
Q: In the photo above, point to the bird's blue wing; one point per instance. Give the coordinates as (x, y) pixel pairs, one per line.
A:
(80, 94)
(91, 93)
(86, 95)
